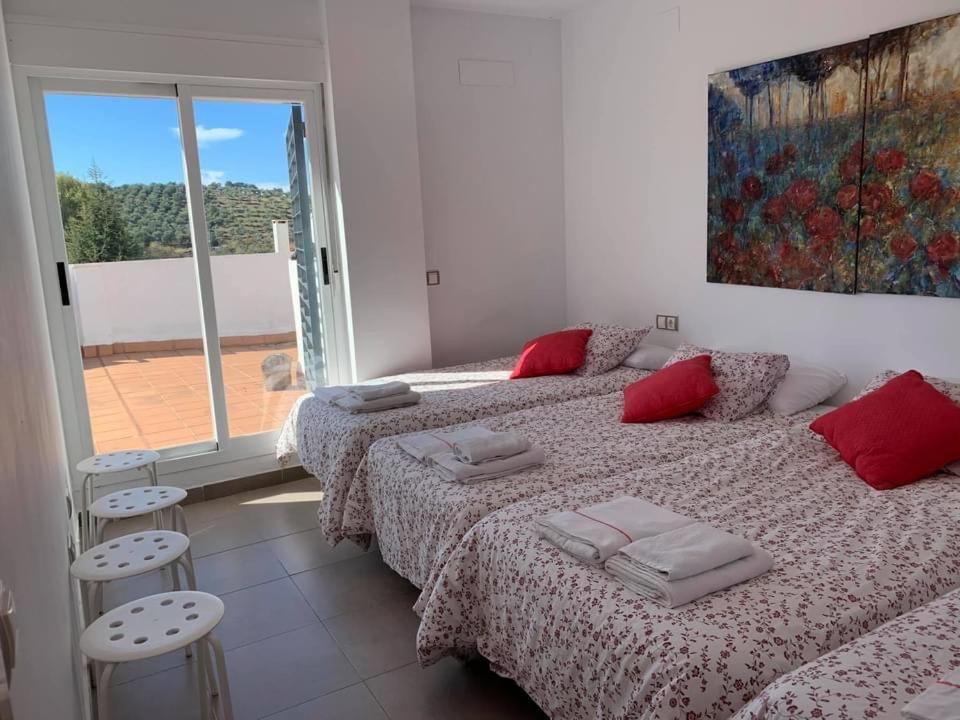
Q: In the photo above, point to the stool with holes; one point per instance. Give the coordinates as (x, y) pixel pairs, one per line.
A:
(128, 556)
(157, 625)
(109, 464)
(161, 501)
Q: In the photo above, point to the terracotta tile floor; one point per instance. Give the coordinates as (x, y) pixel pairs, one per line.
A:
(160, 399)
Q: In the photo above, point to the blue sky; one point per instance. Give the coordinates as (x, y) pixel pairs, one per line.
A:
(135, 140)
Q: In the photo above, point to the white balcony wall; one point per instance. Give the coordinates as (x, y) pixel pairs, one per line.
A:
(142, 300)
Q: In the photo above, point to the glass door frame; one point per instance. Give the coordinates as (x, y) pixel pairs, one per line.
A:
(245, 451)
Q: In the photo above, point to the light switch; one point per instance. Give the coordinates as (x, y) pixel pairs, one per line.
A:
(668, 322)
(433, 277)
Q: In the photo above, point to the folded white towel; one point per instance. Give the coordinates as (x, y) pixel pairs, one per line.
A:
(940, 701)
(330, 394)
(424, 445)
(453, 470)
(383, 390)
(494, 446)
(674, 593)
(686, 551)
(356, 405)
(592, 534)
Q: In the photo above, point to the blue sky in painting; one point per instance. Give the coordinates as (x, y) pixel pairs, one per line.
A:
(135, 140)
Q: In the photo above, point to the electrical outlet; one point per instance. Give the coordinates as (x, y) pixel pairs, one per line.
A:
(668, 322)
(433, 277)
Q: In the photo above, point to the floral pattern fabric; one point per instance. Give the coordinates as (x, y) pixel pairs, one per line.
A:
(609, 345)
(947, 387)
(874, 676)
(746, 380)
(419, 518)
(847, 559)
(332, 443)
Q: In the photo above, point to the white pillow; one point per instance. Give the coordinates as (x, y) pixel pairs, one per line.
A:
(648, 356)
(805, 386)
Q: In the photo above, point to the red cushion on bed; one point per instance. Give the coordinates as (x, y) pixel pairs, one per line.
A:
(676, 390)
(553, 354)
(896, 434)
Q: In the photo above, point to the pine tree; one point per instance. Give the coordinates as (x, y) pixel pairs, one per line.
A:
(96, 232)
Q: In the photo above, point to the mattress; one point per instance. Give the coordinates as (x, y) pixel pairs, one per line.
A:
(419, 518)
(873, 676)
(847, 559)
(331, 442)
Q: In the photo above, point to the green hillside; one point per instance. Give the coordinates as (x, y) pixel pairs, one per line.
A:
(239, 215)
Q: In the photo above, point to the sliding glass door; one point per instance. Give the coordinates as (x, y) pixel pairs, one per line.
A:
(194, 280)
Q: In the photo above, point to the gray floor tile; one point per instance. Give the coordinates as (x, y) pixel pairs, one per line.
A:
(451, 689)
(259, 612)
(352, 703)
(229, 531)
(236, 569)
(307, 550)
(377, 639)
(286, 670)
(352, 585)
(163, 696)
(274, 516)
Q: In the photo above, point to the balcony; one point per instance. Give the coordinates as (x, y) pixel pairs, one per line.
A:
(143, 362)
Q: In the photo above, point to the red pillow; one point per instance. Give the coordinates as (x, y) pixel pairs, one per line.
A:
(676, 390)
(553, 354)
(896, 434)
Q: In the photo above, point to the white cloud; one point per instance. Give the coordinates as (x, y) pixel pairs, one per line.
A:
(272, 185)
(208, 177)
(206, 135)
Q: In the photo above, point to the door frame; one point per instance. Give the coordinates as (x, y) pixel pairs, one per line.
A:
(224, 457)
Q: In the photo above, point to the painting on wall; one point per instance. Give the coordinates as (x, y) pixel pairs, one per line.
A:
(910, 226)
(839, 170)
(784, 171)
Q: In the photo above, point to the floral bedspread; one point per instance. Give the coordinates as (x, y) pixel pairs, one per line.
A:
(873, 676)
(331, 443)
(419, 518)
(848, 558)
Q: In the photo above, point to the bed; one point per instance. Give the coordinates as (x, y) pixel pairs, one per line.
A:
(419, 518)
(873, 676)
(847, 559)
(331, 443)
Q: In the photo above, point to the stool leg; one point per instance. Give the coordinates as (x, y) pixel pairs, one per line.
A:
(180, 520)
(187, 561)
(203, 671)
(226, 703)
(152, 472)
(103, 692)
(98, 603)
(101, 525)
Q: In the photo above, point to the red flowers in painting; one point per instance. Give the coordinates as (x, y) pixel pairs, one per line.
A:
(823, 224)
(752, 188)
(775, 164)
(890, 161)
(732, 210)
(875, 197)
(847, 197)
(925, 185)
(774, 210)
(944, 249)
(802, 195)
(790, 152)
(903, 246)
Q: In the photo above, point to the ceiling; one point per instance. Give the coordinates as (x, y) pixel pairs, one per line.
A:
(529, 8)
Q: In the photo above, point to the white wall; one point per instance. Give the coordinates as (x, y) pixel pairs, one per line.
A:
(33, 520)
(635, 90)
(491, 162)
(371, 68)
(157, 299)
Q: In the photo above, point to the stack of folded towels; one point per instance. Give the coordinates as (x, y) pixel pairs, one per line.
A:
(655, 552)
(940, 701)
(369, 398)
(472, 454)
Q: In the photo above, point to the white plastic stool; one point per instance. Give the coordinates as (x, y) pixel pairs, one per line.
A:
(157, 625)
(107, 464)
(161, 501)
(128, 556)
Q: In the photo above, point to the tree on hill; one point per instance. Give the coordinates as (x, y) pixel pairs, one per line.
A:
(95, 232)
